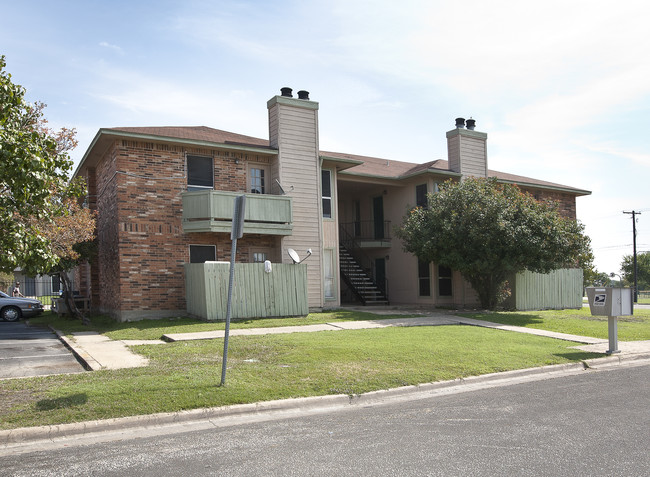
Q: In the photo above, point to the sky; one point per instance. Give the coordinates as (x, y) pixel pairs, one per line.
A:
(562, 88)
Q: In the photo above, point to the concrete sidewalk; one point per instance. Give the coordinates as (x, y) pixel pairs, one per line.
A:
(100, 352)
(97, 351)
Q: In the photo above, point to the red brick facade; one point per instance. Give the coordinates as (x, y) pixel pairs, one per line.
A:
(136, 188)
(566, 202)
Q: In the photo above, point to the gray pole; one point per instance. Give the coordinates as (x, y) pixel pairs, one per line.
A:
(231, 280)
(236, 232)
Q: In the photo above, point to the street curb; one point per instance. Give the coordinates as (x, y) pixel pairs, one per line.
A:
(287, 407)
(87, 361)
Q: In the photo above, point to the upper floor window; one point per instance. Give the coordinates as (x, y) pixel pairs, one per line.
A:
(326, 187)
(257, 180)
(200, 174)
(421, 196)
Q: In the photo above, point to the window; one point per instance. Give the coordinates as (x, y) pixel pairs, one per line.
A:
(444, 281)
(421, 196)
(259, 257)
(326, 186)
(203, 253)
(200, 173)
(424, 278)
(328, 273)
(257, 180)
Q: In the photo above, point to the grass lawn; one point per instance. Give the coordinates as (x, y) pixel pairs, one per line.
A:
(576, 322)
(154, 329)
(185, 375)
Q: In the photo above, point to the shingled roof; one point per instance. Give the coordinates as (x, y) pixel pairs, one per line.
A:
(196, 133)
(367, 166)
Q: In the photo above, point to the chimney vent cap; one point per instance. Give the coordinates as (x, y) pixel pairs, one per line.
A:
(302, 94)
(460, 123)
(286, 92)
(471, 124)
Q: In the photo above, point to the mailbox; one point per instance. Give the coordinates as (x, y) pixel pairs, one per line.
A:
(611, 302)
(608, 301)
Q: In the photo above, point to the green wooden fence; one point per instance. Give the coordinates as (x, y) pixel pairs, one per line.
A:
(256, 294)
(556, 290)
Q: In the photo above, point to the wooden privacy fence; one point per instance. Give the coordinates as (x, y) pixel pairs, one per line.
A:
(556, 290)
(256, 293)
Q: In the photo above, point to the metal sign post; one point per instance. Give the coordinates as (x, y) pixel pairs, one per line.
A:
(236, 233)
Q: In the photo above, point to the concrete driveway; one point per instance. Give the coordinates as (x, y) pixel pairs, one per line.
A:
(27, 351)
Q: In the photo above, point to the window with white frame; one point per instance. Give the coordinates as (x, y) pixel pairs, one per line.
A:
(326, 188)
(328, 274)
(258, 179)
(200, 173)
(259, 257)
(203, 253)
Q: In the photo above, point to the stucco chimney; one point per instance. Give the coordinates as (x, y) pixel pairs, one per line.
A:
(467, 150)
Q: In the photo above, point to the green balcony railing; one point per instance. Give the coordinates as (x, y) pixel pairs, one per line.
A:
(211, 211)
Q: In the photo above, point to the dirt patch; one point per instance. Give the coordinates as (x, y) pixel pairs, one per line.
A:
(11, 399)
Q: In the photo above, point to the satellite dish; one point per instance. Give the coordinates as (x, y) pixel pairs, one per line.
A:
(294, 255)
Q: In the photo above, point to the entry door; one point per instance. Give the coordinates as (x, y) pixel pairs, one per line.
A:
(378, 216)
(380, 273)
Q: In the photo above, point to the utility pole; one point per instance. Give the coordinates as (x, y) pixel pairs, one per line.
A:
(634, 214)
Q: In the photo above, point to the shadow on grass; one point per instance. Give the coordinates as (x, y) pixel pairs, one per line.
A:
(62, 402)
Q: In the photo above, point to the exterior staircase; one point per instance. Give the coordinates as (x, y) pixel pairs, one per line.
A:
(358, 280)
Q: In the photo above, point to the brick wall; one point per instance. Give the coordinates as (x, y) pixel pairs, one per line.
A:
(142, 247)
(566, 202)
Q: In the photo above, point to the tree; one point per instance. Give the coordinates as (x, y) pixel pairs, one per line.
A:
(599, 279)
(43, 226)
(488, 231)
(34, 169)
(643, 270)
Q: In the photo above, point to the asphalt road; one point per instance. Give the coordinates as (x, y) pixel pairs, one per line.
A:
(29, 351)
(592, 424)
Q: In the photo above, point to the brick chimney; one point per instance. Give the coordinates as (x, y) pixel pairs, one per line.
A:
(467, 149)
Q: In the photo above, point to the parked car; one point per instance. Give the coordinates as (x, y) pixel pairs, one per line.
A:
(13, 308)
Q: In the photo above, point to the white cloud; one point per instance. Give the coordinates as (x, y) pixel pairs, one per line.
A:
(115, 48)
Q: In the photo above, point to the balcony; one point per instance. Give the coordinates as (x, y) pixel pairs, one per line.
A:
(365, 234)
(211, 211)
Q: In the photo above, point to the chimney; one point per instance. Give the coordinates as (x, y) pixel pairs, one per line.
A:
(293, 131)
(467, 149)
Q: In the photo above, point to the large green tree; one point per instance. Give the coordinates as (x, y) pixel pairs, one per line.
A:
(34, 179)
(44, 229)
(488, 231)
(643, 270)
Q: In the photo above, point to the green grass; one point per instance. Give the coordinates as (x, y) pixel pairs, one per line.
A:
(576, 322)
(185, 375)
(154, 329)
